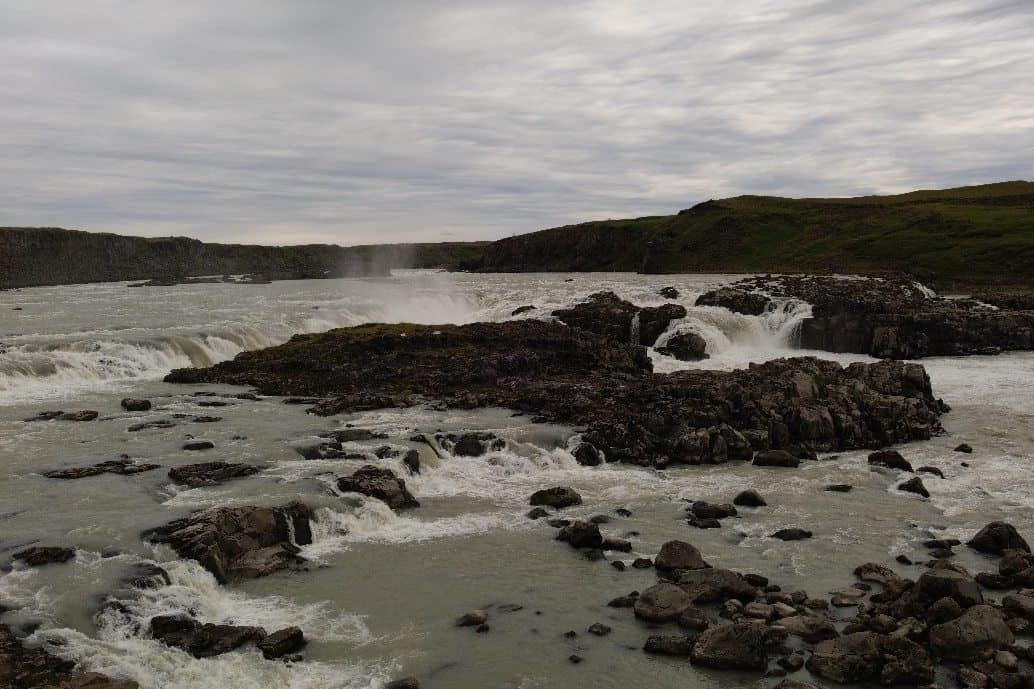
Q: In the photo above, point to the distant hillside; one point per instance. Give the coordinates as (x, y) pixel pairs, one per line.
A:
(52, 256)
(979, 235)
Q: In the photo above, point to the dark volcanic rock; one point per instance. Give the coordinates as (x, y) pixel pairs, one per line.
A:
(581, 535)
(209, 473)
(131, 404)
(914, 485)
(738, 300)
(713, 585)
(662, 603)
(891, 459)
(238, 543)
(685, 347)
(676, 556)
(737, 646)
(202, 640)
(792, 534)
(34, 668)
(891, 318)
(607, 314)
(566, 375)
(974, 635)
(676, 645)
(44, 555)
(124, 466)
(587, 455)
(776, 458)
(749, 498)
(557, 497)
(379, 483)
(707, 510)
(996, 538)
(867, 655)
(198, 445)
(282, 642)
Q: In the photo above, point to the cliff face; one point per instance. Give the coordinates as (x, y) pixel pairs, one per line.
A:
(52, 256)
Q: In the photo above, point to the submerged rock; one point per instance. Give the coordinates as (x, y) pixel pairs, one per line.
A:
(914, 485)
(131, 404)
(238, 543)
(776, 458)
(123, 466)
(282, 642)
(379, 483)
(749, 498)
(792, 534)
(44, 555)
(891, 459)
(202, 640)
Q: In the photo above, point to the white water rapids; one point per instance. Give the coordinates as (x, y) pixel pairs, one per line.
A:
(383, 587)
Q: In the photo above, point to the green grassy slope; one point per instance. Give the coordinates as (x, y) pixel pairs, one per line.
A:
(979, 235)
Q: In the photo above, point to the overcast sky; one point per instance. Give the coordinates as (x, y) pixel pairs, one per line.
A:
(424, 120)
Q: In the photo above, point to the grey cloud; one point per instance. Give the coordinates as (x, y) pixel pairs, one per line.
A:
(409, 120)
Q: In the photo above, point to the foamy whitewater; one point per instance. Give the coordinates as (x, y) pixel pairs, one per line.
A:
(383, 589)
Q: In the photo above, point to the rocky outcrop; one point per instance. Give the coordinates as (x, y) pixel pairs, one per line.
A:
(34, 668)
(888, 318)
(556, 497)
(996, 538)
(738, 300)
(607, 314)
(381, 484)
(685, 347)
(570, 376)
(37, 556)
(124, 466)
(238, 543)
(209, 473)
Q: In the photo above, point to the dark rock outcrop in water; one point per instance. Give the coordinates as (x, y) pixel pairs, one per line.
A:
(379, 483)
(34, 668)
(571, 376)
(209, 473)
(885, 318)
(607, 314)
(238, 543)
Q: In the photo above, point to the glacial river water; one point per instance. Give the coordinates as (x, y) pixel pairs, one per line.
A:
(379, 599)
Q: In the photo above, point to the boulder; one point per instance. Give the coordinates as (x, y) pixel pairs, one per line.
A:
(469, 445)
(974, 635)
(964, 448)
(202, 640)
(715, 585)
(474, 618)
(707, 510)
(282, 642)
(737, 300)
(132, 404)
(405, 682)
(672, 645)
(935, 584)
(686, 346)
(587, 455)
(749, 498)
(558, 497)
(792, 534)
(581, 534)
(914, 485)
(123, 466)
(776, 458)
(209, 473)
(891, 459)
(607, 314)
(930, 470)
(850, 658)
(411, 460)
(238, 543)
(811, 628)
(38, 556)
(736, 646)
(676, 556)
(198, 445)
(662, 602)
(379, 483)
(996, 538)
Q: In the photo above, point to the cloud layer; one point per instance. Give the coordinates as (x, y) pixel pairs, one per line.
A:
(418, 120)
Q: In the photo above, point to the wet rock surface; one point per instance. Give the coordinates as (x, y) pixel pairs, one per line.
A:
(887, 317)
(569, 376)
(35, 668)
(239, 543)
(37, 556)
(381, 484)
(209, 473)
(607, 314)
(123, 466)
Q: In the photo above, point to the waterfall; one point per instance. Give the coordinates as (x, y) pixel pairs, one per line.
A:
(633, 335)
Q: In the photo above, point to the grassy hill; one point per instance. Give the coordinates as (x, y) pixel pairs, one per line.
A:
(979, 235)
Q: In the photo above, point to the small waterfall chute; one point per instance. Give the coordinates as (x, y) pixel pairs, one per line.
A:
(633, 329)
